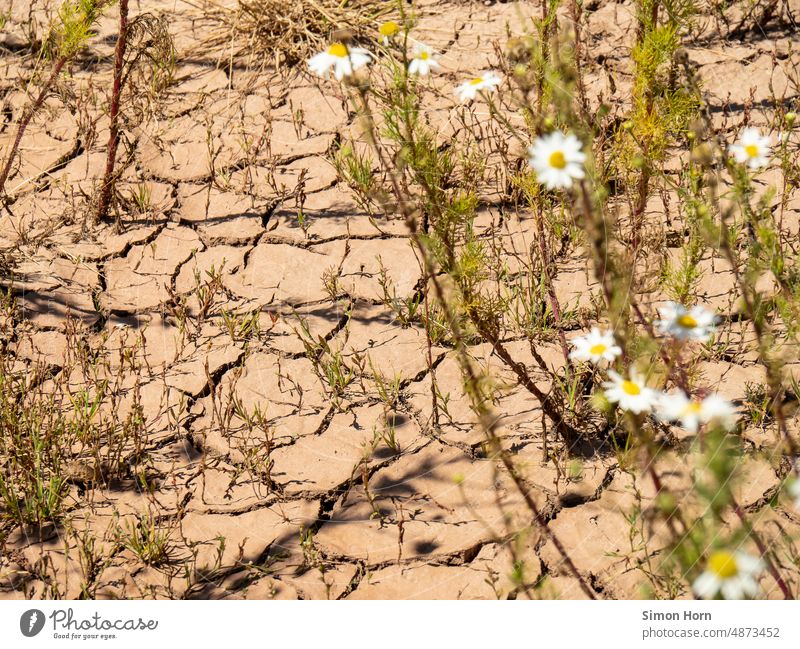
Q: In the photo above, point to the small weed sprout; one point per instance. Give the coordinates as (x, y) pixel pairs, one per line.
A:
(147, 539)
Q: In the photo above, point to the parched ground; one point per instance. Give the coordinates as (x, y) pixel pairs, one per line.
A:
(215, 301)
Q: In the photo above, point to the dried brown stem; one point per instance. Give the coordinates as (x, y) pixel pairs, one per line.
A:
(107, 187)
(27, 116)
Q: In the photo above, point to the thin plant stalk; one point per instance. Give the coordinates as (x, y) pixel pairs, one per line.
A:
(107, 187)
(551, 292)
(487, 419)
(27, 116)
(60, 62)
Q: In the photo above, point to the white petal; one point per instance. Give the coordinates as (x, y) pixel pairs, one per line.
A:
(320, 63)
(732, 588)
(749, 564)
(574, 170)
(690, 423)
(738, 153)
(749, 586)
(342, 68)
(706, 585)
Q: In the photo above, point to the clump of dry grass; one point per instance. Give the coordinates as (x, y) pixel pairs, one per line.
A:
(277, 32)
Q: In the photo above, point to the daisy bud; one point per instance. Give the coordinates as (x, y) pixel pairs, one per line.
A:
(523, 76)
(666, 502)
(600, 402)
(516, 50)
(703, 154)
(342, 36)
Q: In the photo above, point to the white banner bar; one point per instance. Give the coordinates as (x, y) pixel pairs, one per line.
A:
(399, 624)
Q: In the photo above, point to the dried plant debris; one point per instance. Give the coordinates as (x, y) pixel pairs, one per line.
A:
(274, 32)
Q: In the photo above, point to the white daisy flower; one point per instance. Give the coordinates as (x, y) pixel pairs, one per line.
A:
(342, 59)
(752, 149)
(388, 30)
(731, 574)
(557, 160)
(630, 394)
(596, 347)
(794, 491)
(423, 62)
(692, 413)
(468, 90)
(679, 322)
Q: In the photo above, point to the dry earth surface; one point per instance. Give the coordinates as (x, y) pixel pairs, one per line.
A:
(312, 502)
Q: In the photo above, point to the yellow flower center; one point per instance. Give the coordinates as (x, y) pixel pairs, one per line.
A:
(692, 408)
(389, 28)
(338, 49)
(723, 565)
(687, 322)
(631, 388)
(476, 81)
(751, 150)
(557, 160)
(423, 56)
(597, 349)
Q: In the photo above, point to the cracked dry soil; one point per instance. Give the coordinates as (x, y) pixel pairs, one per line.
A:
(333, 510)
